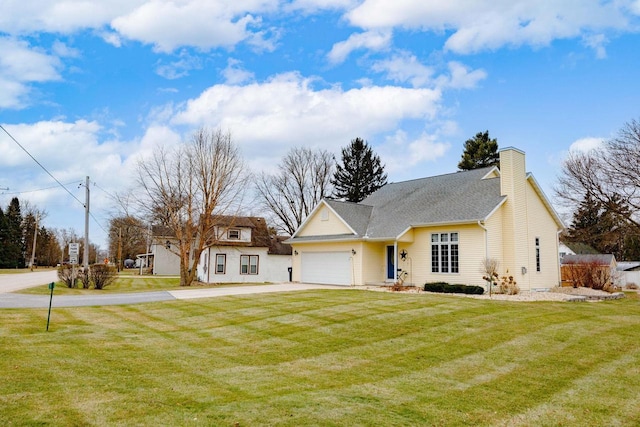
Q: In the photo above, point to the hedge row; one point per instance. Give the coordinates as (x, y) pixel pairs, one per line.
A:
(447, 288)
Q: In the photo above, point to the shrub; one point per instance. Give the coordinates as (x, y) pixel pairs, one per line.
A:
(443, 287)
(83, 275)
(68, 275)
(508, 285)
(435, 286)
(102, 275)
(632, 286)
(589, 275)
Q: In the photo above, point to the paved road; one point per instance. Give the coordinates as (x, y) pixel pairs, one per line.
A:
(15, 282)
(8, 300)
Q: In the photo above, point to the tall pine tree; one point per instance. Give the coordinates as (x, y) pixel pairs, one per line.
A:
(479, 152)
(604, 227)
(13, 256)
(360, 174)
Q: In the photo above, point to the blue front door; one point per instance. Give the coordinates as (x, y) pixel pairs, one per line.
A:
(390, 263)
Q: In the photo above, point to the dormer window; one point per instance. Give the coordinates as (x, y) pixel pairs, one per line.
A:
(233, 234)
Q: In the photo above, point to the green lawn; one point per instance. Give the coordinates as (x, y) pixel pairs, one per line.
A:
(124, 283)
(326, 357)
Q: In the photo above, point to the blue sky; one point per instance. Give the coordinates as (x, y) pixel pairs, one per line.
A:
(88, 88)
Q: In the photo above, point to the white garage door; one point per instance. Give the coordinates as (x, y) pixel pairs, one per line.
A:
(330, 268)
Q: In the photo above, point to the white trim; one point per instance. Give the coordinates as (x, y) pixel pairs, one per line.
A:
(517, 150)
(341, 219)
(498, 206)
(493, 169)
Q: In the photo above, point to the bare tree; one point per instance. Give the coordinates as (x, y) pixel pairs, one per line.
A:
(609, 175)
(183, 188)
(303, 179)
(489, 269)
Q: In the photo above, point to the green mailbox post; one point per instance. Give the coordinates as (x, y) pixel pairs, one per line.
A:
(51, 286)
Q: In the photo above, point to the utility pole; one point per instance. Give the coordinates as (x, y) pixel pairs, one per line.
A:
(35, 236)
(119, 248)
(86, 227)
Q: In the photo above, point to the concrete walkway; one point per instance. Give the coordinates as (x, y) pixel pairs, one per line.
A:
(9, 300)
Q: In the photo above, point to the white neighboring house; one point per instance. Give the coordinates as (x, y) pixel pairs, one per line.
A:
(164, 261)
(244, 251)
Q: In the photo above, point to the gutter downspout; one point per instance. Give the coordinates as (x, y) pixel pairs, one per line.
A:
(558, 252)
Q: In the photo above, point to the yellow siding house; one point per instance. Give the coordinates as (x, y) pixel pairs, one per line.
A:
(432, 229)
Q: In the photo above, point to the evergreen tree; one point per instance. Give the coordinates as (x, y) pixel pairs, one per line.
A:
(360, 174)
(479, 152)
(604, 227)
(585, 222)
(14, 243)
(3, 238)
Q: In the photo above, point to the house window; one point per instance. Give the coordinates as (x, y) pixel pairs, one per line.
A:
(248, 264)
(537, 254)
(444, 253)
(233, 234)
(221, 263)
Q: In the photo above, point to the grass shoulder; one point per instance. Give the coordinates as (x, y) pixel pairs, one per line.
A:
(25, 270)
(126, 283)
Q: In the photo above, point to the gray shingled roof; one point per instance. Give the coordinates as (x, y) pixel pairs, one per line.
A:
(459, 197)
(355, 214)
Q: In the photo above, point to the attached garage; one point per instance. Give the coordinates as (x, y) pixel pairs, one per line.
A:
(329, 268)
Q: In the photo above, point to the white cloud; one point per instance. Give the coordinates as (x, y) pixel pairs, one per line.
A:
(21, 65)
(234, 73)
(63, 50)
(268, 118)
(596, 42)
(199, 23)
(401, 152)
(461, 77)
(585, 145)
(481, 25)
(405, 68)
(179, 68)
(111, 38)
(372, 40)
(312, 6)
(60, 16)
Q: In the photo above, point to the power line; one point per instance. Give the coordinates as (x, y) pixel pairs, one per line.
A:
(34, 191)
(39, 164)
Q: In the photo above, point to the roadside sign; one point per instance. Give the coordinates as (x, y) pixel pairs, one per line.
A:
(74, 248)
(73, 259)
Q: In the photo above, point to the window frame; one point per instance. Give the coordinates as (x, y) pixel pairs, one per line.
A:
(445, 252)
(538, 263)
(234, 230)
(224, 264)
(252, 264)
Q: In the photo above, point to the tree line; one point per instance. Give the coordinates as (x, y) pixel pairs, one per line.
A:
(602, 186)
(21, 227)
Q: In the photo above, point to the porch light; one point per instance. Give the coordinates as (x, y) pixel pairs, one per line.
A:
(353, 251)
(167, 244)
(295, 252)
